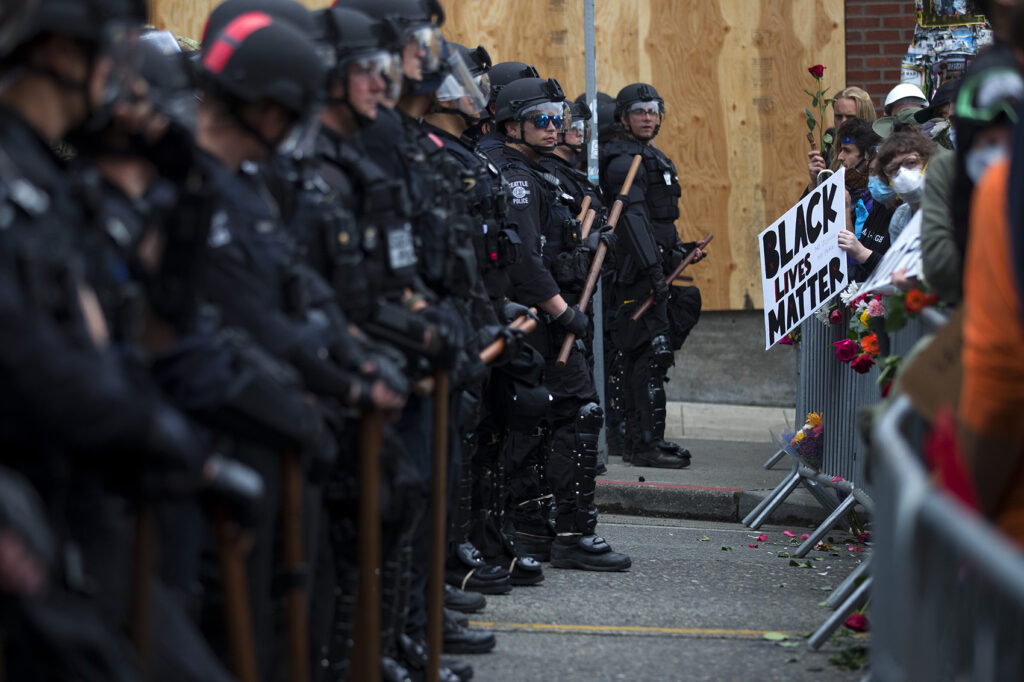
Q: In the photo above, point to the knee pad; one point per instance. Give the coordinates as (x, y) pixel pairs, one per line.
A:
(662, 356)
(589, 419)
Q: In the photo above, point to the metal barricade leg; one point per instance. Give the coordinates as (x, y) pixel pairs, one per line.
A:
(839, 594)
(768, 505)
(768, 498)
(821, 494)
(854, 602)
(844, 507)
(774, 459)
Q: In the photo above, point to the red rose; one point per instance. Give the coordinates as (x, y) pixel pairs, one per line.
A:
(817, 70)
(862, 363)
(857, 622)
(846, 350)
(836, 316)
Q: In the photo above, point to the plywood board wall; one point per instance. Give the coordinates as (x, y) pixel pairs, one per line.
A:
(732, 73)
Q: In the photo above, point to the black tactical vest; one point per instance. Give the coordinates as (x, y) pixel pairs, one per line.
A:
(663, 191)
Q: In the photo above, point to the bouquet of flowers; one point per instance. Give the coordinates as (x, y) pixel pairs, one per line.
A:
(806, 444)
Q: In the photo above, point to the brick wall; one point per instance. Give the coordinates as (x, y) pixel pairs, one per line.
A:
(878, 33)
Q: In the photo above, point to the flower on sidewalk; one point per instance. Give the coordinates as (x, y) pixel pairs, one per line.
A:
(789, 533)
(857, 622)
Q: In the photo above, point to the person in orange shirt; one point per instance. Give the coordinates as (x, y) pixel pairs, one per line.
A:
(991, 409)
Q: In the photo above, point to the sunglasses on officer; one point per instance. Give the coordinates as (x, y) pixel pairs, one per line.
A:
(543, 115)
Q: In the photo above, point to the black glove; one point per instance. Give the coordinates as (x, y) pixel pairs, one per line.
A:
(390, 372)
(513, 338)
(575, 322)
(175, 456)
(450, 336)
(235, 486)
(513, 311)
(658, 286)
(602, 235)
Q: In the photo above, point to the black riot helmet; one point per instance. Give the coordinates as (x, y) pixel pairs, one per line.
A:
(412, 20)
(108, 27)
(346, 35)
(580, 122)
(285, 10)
(15, 23)
(638, 96)
(532, 99)
(606, 123)
(256, 58)
(87, 20)
(506, 72)
(171, 87)
(467, 82)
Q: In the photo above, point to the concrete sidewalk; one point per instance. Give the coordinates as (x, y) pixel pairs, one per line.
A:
(725, 480)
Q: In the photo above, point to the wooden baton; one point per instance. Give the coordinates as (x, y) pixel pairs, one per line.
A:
(292, 541)
(435, 588)
(237, 613)
(496, 348)
(365, 655)
(585, 206)
(142, 586)
(595, 265)
(588, 223)
(646, 305)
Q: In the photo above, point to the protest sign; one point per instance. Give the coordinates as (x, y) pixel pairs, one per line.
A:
(802, 266)
(905, 253)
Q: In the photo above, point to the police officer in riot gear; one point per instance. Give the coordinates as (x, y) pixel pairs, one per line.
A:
(550, 274)
(103, 432)
(501, 75)
(650, 249)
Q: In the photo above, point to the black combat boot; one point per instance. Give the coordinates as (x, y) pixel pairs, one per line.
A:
(462, 601)
(587, 553)
(653, 456)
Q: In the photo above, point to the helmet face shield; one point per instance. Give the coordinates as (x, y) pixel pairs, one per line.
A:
(299, 141)
(118, 59)
(459, 86)
(429, 41)
(654, 108)
(386, 65)
(578, 133)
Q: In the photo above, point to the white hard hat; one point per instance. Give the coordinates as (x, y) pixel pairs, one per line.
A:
(904, 90)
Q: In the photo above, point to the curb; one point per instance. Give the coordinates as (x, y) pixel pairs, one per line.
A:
(701, 503)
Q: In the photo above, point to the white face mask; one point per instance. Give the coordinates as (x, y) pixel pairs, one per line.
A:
(909, 184)
(977, 161)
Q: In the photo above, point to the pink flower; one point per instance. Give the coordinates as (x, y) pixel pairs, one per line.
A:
(836, 479)
(762, 538)
(862, 363)
(754, 546)
(805, 536)
(864, 537)
(786, 340)
(857, 622)
(836, 316)
(789, 533)
(875, 308)
(846, 350)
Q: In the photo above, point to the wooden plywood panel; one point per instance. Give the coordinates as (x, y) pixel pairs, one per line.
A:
(731, 72)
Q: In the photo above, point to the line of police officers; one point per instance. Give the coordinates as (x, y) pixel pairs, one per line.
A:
(249, 250)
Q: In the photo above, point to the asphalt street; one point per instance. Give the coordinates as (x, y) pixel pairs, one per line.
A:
(688, 609)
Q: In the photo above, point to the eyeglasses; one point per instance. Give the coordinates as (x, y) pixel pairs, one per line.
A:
(911, 161)
(542, 121)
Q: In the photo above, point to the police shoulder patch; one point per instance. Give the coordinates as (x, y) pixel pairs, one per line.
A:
(520, 192)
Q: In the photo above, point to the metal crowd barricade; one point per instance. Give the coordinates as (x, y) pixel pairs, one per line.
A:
(948, 587)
